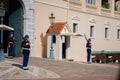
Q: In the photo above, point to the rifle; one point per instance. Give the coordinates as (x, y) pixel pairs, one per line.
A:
(85, 37)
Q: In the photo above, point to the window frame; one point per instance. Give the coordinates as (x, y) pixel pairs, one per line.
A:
(92, 22)
(106, 35)
(92, 31)
(75, 28)
(118, 33)
(91, 2)
(76, 20)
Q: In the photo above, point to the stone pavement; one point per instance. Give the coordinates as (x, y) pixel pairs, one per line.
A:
(46, 69)
(10, 70)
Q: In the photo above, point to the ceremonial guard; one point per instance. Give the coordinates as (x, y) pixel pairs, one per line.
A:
(26, 51)
(11, 45)
(88, 46)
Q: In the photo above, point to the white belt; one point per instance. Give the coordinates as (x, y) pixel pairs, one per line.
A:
(88, 48)
(26, 48)
(11, 42)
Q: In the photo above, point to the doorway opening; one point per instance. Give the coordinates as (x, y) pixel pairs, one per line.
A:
(65, 46)
(13, 18)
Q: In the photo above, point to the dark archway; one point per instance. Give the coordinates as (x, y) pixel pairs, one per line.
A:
(14, 18)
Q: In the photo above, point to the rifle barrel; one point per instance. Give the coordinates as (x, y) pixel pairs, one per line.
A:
(85, 37)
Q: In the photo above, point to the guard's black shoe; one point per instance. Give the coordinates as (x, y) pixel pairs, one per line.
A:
(25, 68)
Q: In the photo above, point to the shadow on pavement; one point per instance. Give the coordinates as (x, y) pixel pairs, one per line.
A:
(17, 65)
(119, 73)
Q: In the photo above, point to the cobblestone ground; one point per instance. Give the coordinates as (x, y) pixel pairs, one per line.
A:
(68, 70)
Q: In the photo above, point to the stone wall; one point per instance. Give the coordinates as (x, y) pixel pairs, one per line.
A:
(29, 25)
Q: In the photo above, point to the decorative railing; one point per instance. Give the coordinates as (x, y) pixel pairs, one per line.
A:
(74, 1)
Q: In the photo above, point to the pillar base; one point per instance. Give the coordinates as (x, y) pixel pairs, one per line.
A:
(2, 58)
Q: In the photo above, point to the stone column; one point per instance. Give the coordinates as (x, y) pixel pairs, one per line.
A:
(84, 5)
(68, 47)
(112, 7)
(99, 4)
(29, 24)
(60, 47)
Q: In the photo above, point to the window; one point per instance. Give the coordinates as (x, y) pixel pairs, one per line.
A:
(75, 27)
(106, 4)
(75, 24)
(92, 24)
(54, 39)
(92, 2)
(118, 33)
(106, 33)
(92, 31)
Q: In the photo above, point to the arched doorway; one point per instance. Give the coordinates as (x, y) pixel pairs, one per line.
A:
(13, 18)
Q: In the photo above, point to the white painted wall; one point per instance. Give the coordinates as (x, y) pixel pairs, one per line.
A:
(77, 50)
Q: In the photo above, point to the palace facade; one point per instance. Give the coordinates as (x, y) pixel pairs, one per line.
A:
(97, 19)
